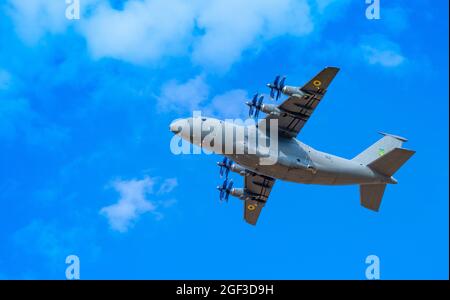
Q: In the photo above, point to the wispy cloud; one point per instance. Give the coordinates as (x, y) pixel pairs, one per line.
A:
(377, 50)
(385, 58)
(231, 26)
(186, 96)
(142, 31)
(43, 238)
(213, 34)
(193, 94)
(168, 185)
(374, 50)
(49, 242)
(35, 18)
(19, 121)
(228, 104)
(134, 201)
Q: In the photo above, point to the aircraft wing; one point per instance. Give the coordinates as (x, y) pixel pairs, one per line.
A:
(297, 109)
(257, 190)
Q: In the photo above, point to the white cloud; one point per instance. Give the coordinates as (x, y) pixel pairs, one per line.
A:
(53, 241)
(143, 31)
(217, 32)
(377, 50)
(232, 26)
(323, 4)
(168, 185)
(213, 33)
(146, 31)
(181, 97)
(133, 202)
(229, 105)
(385, 58)
(34, 18)
(193, 95)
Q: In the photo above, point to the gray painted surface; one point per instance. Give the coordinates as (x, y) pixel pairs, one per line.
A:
(295, 161)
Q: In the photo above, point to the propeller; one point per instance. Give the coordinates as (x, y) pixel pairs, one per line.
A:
(225, 166)
(225, 189)
(276, 86)
(255, 106)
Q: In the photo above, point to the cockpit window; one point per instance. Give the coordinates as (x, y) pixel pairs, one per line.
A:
(203, 119)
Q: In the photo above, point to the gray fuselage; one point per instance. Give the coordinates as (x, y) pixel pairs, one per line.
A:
(295, 161)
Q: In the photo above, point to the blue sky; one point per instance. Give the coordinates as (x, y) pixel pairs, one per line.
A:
(86, 168)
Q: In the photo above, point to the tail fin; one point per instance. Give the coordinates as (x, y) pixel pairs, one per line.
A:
(371, 195)
(385, 157)
(382, 146)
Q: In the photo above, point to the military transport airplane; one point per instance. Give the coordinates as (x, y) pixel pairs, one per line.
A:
(372, 169)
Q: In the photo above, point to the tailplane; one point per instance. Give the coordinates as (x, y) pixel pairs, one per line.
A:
(390, 162)
(385, 157)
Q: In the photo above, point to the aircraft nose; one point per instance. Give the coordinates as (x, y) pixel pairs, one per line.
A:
(175, 127)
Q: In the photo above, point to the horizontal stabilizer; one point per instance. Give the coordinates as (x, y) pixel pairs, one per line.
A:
(390, 162)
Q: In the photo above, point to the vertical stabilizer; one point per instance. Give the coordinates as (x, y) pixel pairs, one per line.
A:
(371, 195)
(382, 146)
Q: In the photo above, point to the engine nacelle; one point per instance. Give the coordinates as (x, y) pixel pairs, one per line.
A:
(270, 109)
(292, 90)
(238, 169)
(237, 192)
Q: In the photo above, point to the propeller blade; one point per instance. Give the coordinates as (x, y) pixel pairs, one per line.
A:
(230, 185)
(260, 101)
(257, 114)
(254, 105)
(225, 166)
(255, 97)
(222, 165)
(282, 83)
(250, 111)
(225, 188)
(230, 162)
(272, 94)
(224, 185)
(275, 82)
(276, 88)
(228, 190)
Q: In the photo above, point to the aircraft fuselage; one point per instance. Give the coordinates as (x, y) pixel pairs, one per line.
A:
(295, 161)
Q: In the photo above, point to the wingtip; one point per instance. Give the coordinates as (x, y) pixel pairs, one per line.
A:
(334, 68)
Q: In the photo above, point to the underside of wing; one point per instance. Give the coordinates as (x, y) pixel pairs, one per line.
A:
(319, 84)
(257, 191)
(295, 111)
(252, 210)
